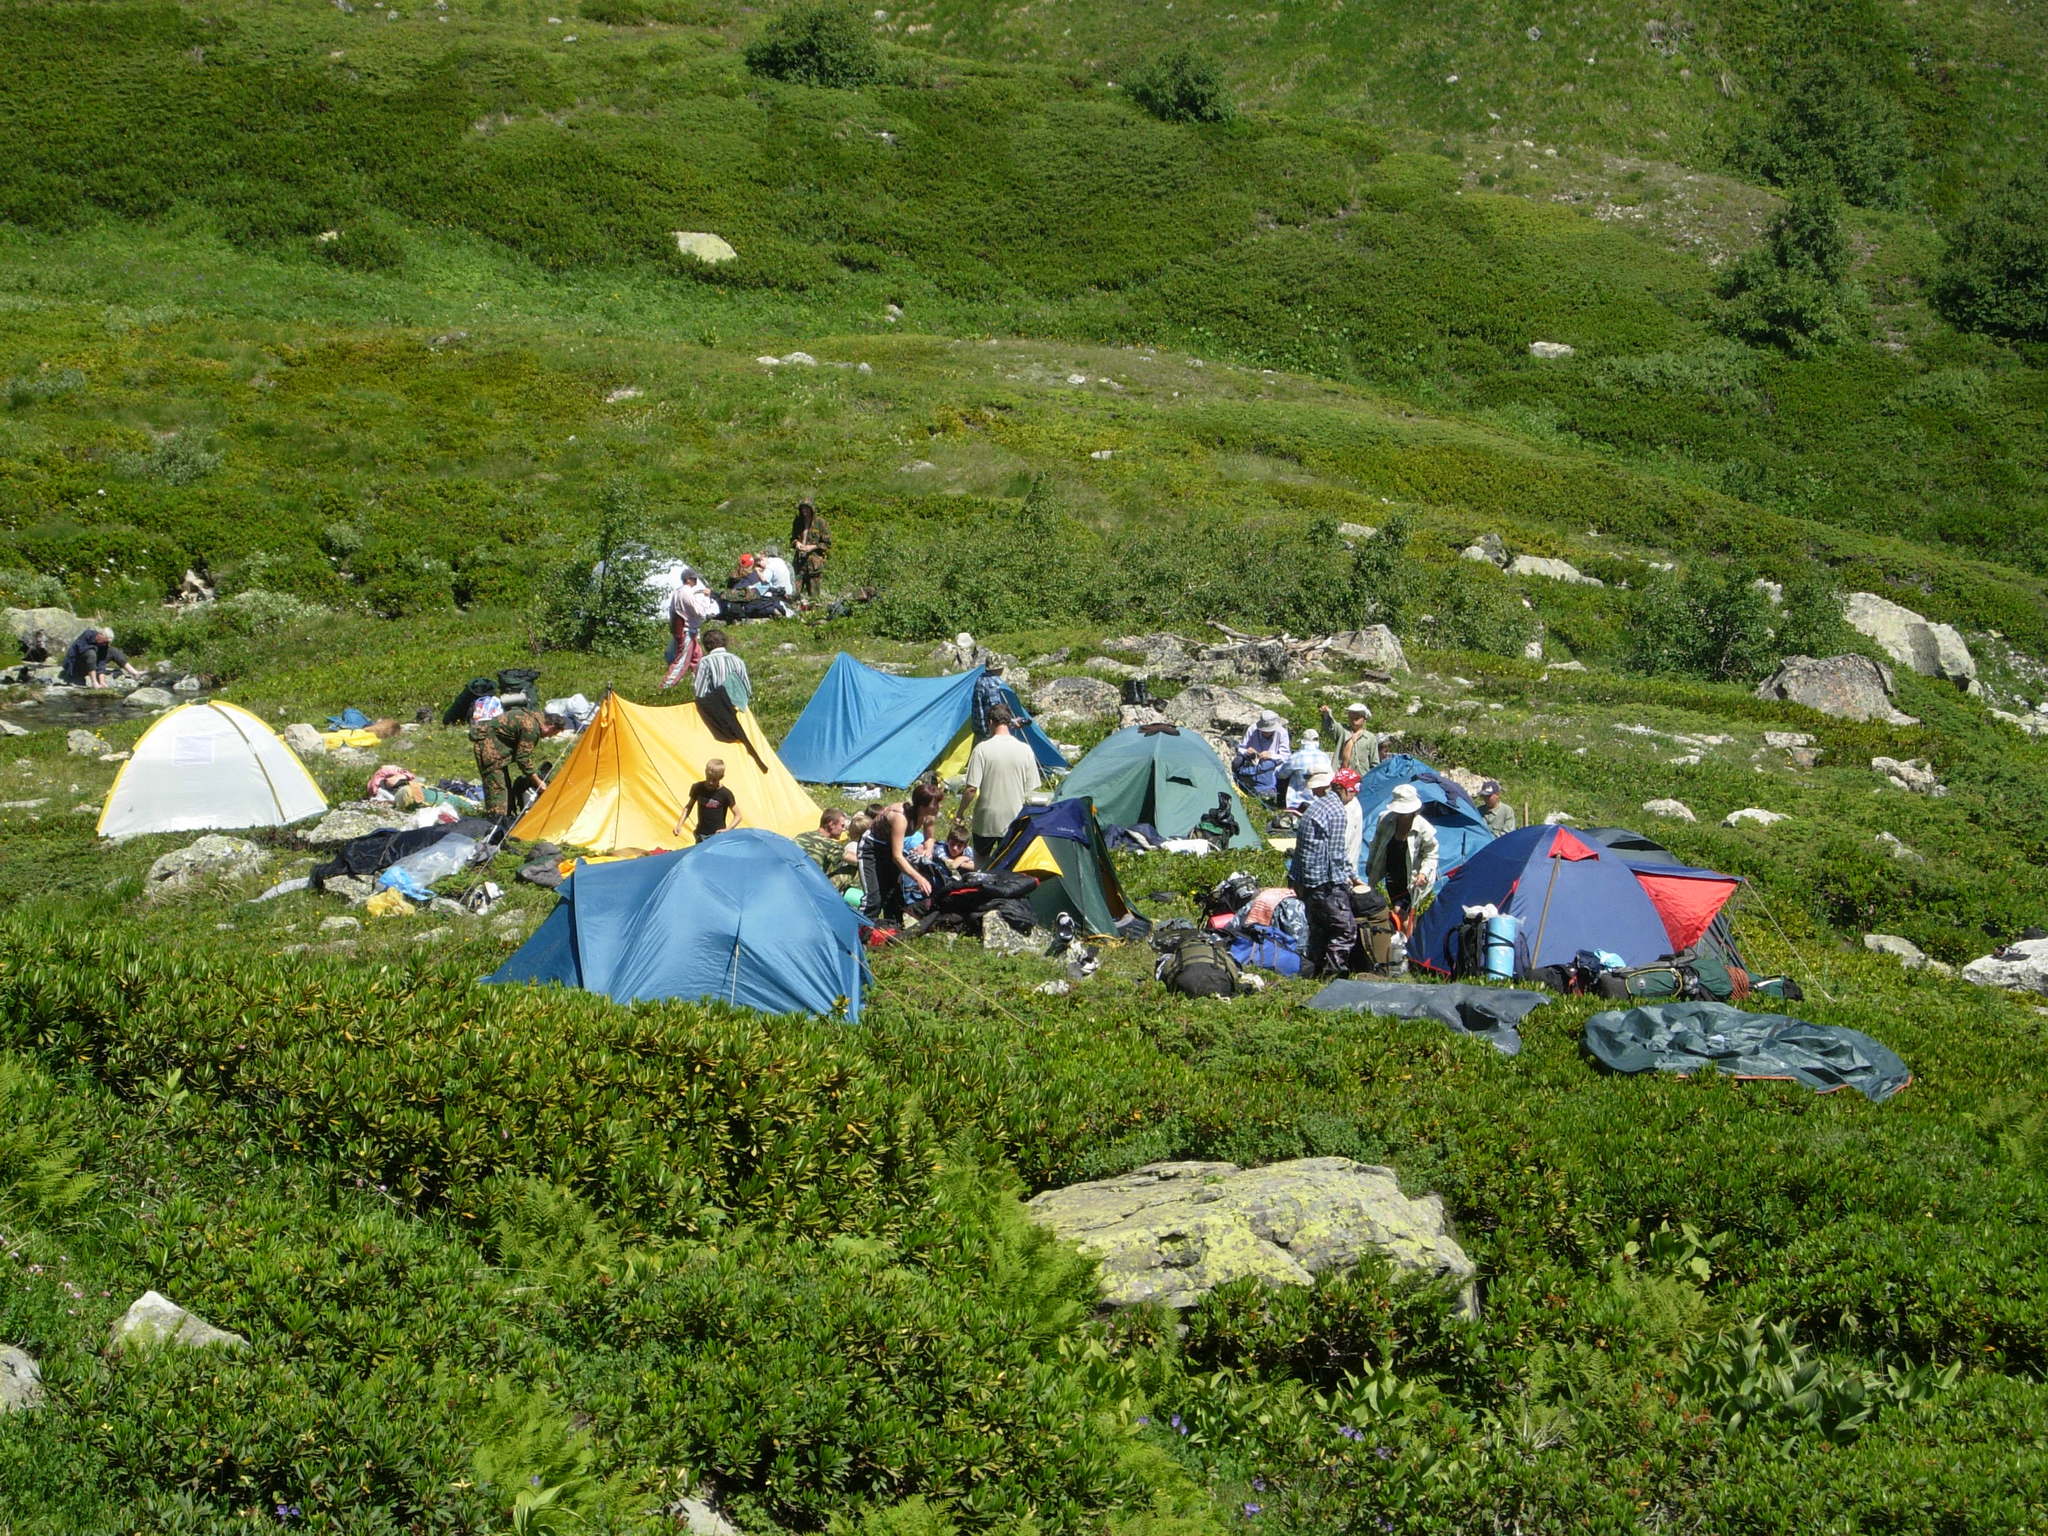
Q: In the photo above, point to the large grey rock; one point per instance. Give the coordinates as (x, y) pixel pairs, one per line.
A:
(999, 936)
(9, 728)
(155, 1319)
(1076, 698)
(60, 624)
(1914, 775)
(150, 698)
(712, 250)
(347, 821)
(1173, 1232)
(1752, 816)
(1897, 849)
(1252, 661)
(1676, 810)
(1375, 647)
(86, 743)
(1209, 707)
(2023, 967)
(21, 1381)
(305, 740)
(1909, 954)
(1163, 656)
(1490, 548)
(1848, 687)
(1932, 650)
(1555, 570)
(212, 859)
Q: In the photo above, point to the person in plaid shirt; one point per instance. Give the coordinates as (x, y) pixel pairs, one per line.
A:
(1322, 878)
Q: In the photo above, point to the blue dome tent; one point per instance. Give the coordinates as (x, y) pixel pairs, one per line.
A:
(744, 918)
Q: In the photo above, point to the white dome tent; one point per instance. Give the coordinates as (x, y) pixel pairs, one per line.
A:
(209, 767)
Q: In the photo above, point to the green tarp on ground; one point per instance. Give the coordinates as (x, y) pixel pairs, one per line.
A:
(1491, 1013)
(1690, 1037)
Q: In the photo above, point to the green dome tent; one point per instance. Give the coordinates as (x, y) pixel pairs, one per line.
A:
(1159, 776)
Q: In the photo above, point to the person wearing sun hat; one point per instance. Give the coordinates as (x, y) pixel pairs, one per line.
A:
(1404, 851)
(1357, 747)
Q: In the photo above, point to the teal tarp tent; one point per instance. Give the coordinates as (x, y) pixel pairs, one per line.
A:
(1168, 779)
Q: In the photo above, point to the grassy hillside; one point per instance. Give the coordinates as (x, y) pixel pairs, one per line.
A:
(367, 309)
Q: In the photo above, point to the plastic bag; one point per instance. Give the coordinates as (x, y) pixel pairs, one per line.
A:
(450, 856)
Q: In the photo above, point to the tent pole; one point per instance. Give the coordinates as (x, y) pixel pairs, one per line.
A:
(1543, 917)
(1790, 948)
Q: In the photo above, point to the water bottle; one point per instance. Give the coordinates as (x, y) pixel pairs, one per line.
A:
(1397, 954)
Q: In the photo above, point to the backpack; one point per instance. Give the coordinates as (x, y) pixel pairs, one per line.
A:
(1220, 825)
(1230, 893)
(1137, 691)
(1194, 967)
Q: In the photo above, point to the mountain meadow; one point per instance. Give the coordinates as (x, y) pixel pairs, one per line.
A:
(1600, 351)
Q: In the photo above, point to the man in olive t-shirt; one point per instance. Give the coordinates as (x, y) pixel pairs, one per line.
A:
(1001, 772)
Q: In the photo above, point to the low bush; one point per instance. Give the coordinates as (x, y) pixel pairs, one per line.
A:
(1994, 264)
(818, 42)
(1793, 290)
(1831, 127)
(26, 389)
(597, 600)
(1180, 86)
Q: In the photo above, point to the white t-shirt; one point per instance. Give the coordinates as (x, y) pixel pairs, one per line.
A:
(776, 573)
(1003, 770)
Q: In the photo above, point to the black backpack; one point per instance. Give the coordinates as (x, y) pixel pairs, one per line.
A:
(1197, 967)
(1137, 691)
(1219, 826)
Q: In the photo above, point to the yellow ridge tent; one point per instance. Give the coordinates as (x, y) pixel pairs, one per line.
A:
(627, 781)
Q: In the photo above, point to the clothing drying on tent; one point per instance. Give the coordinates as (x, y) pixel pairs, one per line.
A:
(627, 781)
(1688, 1037)
(1162, 777)
(1648, 857)
(868, 727)
(1568, 895)
(209, 767)
(1062, 845)
(1461, 828)
(745, 918)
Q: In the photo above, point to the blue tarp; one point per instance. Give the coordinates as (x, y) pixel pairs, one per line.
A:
(1570, 895)
(867, 727)
(745, 918)
(1461, 830)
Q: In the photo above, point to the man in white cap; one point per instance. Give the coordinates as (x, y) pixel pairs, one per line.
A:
(1403, 857)
(1358, 748)
(1262, 755)
(1322, 879)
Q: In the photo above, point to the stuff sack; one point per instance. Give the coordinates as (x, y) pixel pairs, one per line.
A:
(1267, 951)
(1194, 967)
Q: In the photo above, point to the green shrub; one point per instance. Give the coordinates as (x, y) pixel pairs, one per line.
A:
(1181, 86)
(1994, 264)
(177, 460)
(32, 589)
(26, 389)
(818, 42)
(1833, 129)
(367, 245)
(1793, 290)
(1713, 622)
(597, 601)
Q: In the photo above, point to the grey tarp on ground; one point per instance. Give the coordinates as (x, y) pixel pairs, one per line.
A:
(1488, 1012)
(1686, 1037)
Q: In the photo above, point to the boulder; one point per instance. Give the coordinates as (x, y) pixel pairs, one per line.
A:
(354, 889)
(347, 821)
(1163, 656)
(1787, 740)
(1910, 954)
(60, 624)
(1676, 810)
(1252, 661)
(1551, 350)
(1490, 548)
(1355, 533)
(1564, 666)
(213, 858)
(1932, 650)
(708, 248)
(2035, 724)
(1555, 570)
(1751, 816)
(1208, 707)
(1113, 668)
(1076, 698)
(21, 1381)
(189, 683)
(1173, 1232)
(1140, 714)
(9, 728)
(1897, 849)
(150, 698)
(1848, 687)
(1376, 648)
(154, 1319)
(86, 743)
(1914, 775)
(999, 936)
(2022, 966)
(305, 740)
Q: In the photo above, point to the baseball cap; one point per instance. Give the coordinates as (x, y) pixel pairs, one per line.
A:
(1404, 801)
(1490, 787)
(746, 561)
(1309, 735)
(1356, 708)
(1346, 778)
(1319, 781)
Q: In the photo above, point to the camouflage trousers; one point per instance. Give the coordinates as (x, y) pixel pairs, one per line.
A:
(496, 768)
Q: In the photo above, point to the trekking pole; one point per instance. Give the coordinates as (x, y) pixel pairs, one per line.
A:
(1791, 949)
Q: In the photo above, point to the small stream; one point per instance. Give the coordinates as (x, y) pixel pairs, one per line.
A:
(86, 709)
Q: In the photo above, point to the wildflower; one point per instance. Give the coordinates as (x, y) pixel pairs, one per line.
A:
(1178, 1427)
(1350, 1432)
(1258, 1485)
(1143, 1420)
(287, 1513)
(1384, 1452)
(1252, 1509)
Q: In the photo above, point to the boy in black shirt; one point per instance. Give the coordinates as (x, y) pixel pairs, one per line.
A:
(714, 804)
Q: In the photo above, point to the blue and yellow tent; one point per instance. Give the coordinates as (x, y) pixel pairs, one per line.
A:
(1061, 844)
(868, 727)
(744, 918)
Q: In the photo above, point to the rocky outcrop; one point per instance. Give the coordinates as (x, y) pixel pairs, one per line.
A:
(1167, 658)
(212, 859)
(155, 1319)
(1076, 698)
(1932, 650)
(60, 625)
(1208, 707)
(1914, 775)
(1376, 648)
(1848, 687)
(1752, 816)
(21, 1381)
(1674, 810)
(150, 698)
(1173, 1232)
(1555, 570)
(1490, 548)
(2023, 967)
